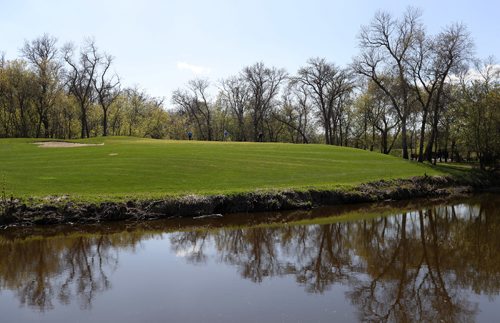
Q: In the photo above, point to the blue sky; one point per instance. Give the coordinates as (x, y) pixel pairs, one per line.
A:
(160, 45)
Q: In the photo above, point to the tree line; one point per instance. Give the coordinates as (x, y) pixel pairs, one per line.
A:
(407, 92)
(69, 92)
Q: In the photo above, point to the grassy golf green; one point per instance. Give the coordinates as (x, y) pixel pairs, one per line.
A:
(137, 168)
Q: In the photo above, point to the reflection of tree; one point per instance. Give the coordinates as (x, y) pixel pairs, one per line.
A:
(323, 258)
(41, 270)
(190, 244)
(415, 266)
(253, 251)
(409, 283)
(86, 261)
(33, 284)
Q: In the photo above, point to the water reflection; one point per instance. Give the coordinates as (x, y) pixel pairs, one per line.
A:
(419, 265)
(63, 268)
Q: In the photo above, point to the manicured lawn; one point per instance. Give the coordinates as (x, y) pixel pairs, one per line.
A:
(146, 168)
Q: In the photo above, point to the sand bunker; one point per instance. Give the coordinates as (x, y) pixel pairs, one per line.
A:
(62, 144)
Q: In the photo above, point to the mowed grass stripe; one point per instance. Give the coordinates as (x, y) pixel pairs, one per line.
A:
(147, 168)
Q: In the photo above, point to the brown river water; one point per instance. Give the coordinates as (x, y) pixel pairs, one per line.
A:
(420, 261)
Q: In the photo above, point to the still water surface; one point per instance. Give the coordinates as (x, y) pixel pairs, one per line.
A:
(423, 261)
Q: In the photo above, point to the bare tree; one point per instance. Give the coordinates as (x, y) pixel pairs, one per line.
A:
(385, 50)
(453, 49)
(107, 89)
(425, 80)
(295, 112)
(80, 78)
(199, 89)
(195, 102)
(42, 54)
(326, 84)
(383, 117)
(432, 61)
(263, 83)
(234, 93)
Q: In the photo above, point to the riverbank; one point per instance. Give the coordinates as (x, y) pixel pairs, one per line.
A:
(15, 212)
(124, 178)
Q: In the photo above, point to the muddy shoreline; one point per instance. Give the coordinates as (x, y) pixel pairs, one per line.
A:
(16, 213)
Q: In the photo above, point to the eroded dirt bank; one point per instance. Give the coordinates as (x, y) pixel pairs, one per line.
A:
(14, 212)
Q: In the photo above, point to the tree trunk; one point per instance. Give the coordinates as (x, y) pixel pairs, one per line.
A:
(82, 121)
(404, 139)
(105, 122)
(452, 157)
(432, 139)
(383, 141)
(209, 129)
(373, 138)
(422, 138)
(46, 126)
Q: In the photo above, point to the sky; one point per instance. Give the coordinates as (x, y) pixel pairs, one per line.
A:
(160, 45)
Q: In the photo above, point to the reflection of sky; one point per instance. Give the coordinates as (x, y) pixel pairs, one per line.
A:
(488, 307)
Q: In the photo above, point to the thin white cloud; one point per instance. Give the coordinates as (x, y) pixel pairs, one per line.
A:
(195, 69)
(492, 70)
